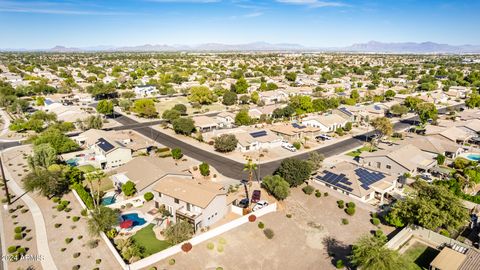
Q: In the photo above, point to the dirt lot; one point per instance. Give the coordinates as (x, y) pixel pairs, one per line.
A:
(303, 241)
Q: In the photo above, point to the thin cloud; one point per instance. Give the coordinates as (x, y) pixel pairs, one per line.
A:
(56, 8)
(313, 3)
(253, 14)
(186, 1)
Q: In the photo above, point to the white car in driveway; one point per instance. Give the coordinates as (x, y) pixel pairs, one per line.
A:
(259, 205)
(289, 147)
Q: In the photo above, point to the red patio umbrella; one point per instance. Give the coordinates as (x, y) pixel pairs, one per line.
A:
(126, 224)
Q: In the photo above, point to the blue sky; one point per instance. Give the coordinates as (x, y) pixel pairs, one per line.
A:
(81, 23)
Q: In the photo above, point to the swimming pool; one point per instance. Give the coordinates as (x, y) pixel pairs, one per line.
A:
(137, 221)
(473, 157)
(108, 200)
(72, 162)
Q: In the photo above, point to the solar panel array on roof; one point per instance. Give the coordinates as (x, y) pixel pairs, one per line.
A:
(258, 134)
(295, 125)
(104, 145)
(338, 180)
(345, 111)
(368, 178)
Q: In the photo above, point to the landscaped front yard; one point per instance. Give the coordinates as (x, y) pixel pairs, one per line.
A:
(147, 239)
(357, 152)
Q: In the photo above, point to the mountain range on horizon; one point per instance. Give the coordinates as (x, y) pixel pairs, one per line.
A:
(369, 47)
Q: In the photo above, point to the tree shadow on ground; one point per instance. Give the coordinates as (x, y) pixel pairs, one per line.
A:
(337, 251)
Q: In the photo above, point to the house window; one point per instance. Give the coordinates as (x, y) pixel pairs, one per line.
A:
(389, 167)
(378, 165)
(176, 201)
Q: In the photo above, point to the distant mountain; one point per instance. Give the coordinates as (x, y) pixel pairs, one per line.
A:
(369, 47)
(411, 47)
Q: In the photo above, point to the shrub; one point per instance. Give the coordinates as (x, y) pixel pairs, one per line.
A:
(378, 233)
(57, 225)
(325, 194)
(63, 249)
(210, 246)
(92, 243)
(98, 261)
(225, 143)
(129, 188)
(261, 225)
(318, 194)
(222, 241)
(84, 195)
(220, 248)
(268, 233)
(75, 218)
(186, 247)
(444, 232)
(308, 189)
(170, 262)
(129, 205)
(344, 221)
(340, 204)
(18, 236)
(204, 169)
(68, 240)
(350, 211)
(177, 153)
(76, 254)
(252, 218)
(112, 233)
(12, 249)
(21, 251)
(351, 205)
(83, 212)
(76, 267)
(18, 229)
(68, 209)
(288, 215)
(297, 145)
(148, 196)
(375, 221)
(339, 264)
(79, 237)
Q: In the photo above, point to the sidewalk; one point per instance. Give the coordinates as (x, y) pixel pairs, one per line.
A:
(39, 222)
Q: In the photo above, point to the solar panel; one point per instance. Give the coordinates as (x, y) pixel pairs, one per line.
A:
(337, 180)
(258, 134)
(345, 111)
(295, 125)
(368, 178)
(104, 145)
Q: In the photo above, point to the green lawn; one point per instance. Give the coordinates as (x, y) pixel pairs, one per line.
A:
(146, 238)
(420, 255)
(357, 152)
(86, 168)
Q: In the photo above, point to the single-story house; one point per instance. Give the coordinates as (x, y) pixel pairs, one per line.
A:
(257, 139)
(435, 145)
(272, 97)
(225, 120)
(145, 90)
(326, 123)
(200, 203)
(357, 182)
(204, 123)
(294, 132)
(398, 160)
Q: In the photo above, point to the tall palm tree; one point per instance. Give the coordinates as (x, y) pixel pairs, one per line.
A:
(369, 253)
(95, 176)
(251, 167)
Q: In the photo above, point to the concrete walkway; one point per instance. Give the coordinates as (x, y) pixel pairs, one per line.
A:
(39, 222)
(6, 122)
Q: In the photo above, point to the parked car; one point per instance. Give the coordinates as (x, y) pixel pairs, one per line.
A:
(243, 203)
(323, 137)
(259, 205)
(256, 196)
(289, 147)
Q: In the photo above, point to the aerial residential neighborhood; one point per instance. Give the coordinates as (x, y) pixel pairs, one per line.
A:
(239, 154)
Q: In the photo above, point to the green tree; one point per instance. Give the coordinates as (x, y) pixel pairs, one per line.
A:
(354, 94)
(145, 108)
(181, 108)
(43, 156)
(171, 115)
(250, 167)
(204, 169)
(105, 107)
(102, 220)
(59, 141)
(225, 143)
(95, 177)
(229, 98)
(370, 253)
(183, 126)
(202, 95)
(301, 104)
(178, 232)
(291, 76)
(430, 206)
(383, 126)
(242, 118)
(412, 102)
(398, 110)
(48, 183)
(129, 188)
(294, 171)
(277, 186)
(177, 153)
(315, 159)
(440, 159)
(426, 111)
(240, 86)
(91, 122)
(390, 94)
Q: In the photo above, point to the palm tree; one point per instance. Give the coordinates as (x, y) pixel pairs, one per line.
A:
(95, 176)
(102, 220)
(250, 167)
(369, 253)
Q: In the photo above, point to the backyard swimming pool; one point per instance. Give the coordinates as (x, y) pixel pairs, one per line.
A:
(473, 157)
(72, 162)
(137, 221)
(108, 200)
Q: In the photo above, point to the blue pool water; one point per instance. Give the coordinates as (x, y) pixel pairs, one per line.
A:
(72, 162)
(108, 200)
(137, 221)
(474, 157)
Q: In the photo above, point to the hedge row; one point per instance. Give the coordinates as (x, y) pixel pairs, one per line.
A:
(84, 195)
